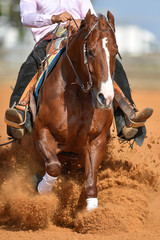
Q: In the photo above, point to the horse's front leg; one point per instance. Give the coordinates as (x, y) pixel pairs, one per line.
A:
(46, 145)
(92, 164)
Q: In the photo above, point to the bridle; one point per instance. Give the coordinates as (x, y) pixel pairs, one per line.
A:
(79, 81)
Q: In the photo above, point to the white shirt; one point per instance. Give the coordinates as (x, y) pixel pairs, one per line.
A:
(37, 13)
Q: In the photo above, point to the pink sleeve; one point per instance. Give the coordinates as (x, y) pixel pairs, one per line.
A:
(30, 17)
(85, 6)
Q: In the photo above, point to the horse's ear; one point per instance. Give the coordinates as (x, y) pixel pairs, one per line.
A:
(111, 19)
(88, 15)
(90, 19)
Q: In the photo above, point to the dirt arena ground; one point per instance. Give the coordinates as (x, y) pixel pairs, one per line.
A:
(128, 190)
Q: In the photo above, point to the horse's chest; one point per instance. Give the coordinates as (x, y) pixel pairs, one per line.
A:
(77, 127)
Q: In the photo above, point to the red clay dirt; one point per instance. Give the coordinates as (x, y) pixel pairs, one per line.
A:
(128, 190)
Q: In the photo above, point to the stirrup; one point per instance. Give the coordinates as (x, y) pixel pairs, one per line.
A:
(14, 124)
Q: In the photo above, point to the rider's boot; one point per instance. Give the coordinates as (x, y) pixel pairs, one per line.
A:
(18, 122)
(129, 132)
(133, 118)
(131, 129)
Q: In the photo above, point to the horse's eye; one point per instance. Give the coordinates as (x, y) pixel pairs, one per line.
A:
(90, 53)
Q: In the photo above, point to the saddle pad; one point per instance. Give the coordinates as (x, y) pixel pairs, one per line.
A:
(49, 65)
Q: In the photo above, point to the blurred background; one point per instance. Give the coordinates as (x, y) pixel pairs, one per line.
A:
(137, 32)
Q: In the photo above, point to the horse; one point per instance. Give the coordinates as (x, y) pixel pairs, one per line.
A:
(75, 110)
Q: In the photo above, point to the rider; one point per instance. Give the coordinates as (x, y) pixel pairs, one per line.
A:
(42, 17)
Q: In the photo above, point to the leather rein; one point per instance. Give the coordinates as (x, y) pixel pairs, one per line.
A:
(79, 81)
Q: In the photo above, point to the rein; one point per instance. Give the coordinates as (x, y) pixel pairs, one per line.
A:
(4, 144)
(90, 82)
(52, 32)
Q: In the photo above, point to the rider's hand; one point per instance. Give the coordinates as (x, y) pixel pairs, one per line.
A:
(62, 17)
(73, 25)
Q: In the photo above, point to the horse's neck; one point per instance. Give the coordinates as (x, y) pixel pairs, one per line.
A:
(65, 67)
(72, 89)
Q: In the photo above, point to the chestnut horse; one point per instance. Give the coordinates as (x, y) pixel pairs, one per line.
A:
(75, 110)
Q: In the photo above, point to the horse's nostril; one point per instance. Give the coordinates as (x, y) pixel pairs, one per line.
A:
(109, 101)
(102, 98)
(104, 103)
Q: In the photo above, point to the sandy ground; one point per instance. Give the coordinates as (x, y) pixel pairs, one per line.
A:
(128, 186)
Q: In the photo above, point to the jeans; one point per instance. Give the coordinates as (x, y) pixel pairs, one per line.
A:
(121, 79)
(28, 70)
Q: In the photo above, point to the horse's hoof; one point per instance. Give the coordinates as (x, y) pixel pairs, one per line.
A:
(36, 180)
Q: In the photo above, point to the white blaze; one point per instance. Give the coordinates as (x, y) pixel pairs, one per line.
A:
(107, 87)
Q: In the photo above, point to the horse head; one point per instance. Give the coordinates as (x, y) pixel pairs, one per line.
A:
(94, 64)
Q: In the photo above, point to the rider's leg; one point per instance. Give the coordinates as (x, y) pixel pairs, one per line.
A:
(26, 73)
(28, 70)
(122, 81)
(128, 132)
